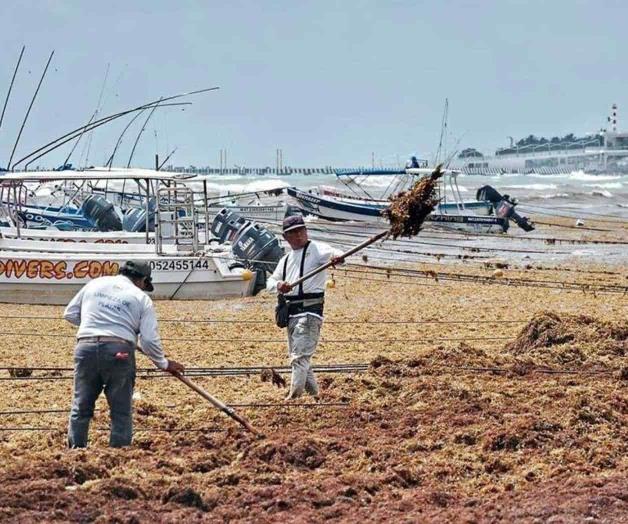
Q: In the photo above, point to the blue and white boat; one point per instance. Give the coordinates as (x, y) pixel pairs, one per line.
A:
(452, 211)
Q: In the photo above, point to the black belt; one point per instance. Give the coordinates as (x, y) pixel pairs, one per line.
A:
(304, 296)
(117, 340)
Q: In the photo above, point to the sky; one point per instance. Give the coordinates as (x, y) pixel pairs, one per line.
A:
(329, 83)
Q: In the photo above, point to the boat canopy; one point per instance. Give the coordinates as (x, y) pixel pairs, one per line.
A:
(97, 173)
(392, 171)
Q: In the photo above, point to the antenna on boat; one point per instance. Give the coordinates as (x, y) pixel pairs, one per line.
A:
(137, 139)
(6, 100)
(443, 132)
(166, 159)
(28, 112)
(94, 115)
(57, 142)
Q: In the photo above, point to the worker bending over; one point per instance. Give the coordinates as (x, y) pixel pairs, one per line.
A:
(111, 312)
(305, 303)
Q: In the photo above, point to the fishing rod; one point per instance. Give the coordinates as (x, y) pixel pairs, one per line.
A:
(98, 108)
(115, 115)
(90, 127)
(109, 161)
(137, 139)
(166, 159)
(6, 100)
(19, 135)
(94, 115)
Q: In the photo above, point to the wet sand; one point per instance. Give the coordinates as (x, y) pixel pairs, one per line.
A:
(449, 422)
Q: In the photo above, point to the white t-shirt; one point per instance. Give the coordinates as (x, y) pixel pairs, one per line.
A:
(115, 307)
(317, 254)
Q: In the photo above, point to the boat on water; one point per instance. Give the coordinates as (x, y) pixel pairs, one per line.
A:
(605, 151)
(185, 265)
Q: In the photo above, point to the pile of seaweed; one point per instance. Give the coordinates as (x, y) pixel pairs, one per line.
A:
(550, 339)
(409, 209)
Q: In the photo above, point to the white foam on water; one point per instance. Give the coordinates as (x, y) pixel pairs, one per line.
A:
(602, 192)
(249, 186)
(607, 185)
(555, 195)
(536, 187)
(580, 175)
(378, 181)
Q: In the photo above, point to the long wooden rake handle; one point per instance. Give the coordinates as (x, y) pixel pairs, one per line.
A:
(216, 403)
(346, 254)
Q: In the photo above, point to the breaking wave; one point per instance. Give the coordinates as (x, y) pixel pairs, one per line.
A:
(608, 185)
(580, 175)
(602, 192)
(554, 195)
(247, 187)
(535, 187)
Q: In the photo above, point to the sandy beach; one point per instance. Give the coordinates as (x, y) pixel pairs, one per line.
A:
(500, 395)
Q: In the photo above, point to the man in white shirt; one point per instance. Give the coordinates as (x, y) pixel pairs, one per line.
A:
(111, 312)
(305, 302)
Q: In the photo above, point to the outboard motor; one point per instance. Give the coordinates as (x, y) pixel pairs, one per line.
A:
(134, 220)
(101, 213)
(504, 207)
(259, 249)
(292, 210)
(226, 225)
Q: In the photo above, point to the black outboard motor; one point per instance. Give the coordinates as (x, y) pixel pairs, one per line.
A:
(226, 225)
(504, 207)
(259, 249)
(101, 213)
(134, 220)
(292, 210)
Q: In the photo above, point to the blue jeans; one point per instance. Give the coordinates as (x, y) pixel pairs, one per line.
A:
(98, 366)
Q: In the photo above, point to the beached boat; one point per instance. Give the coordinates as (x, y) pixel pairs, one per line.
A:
(452, 211)
(184, 267)
(33, 272)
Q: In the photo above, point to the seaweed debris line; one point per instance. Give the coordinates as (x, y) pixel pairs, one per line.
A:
(409, 209)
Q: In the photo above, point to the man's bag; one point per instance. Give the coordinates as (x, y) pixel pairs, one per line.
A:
(281, 311)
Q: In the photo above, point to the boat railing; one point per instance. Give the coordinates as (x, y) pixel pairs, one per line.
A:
(176, 219)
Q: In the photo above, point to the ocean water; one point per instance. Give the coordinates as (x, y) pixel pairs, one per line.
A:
(604, 194)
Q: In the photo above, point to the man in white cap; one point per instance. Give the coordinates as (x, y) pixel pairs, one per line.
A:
(111, 312)
(305, 303)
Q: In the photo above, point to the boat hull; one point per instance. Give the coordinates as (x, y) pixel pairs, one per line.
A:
(32, 277)
(473, 215)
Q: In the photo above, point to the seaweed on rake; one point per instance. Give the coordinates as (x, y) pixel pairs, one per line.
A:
(409, 209)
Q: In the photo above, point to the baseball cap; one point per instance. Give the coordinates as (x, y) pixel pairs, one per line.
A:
(293, 222)
(141, 269)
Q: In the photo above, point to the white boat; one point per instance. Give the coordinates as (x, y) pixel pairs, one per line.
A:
(184, 268)
(75, 236)
(452, 210)
(33, 273)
